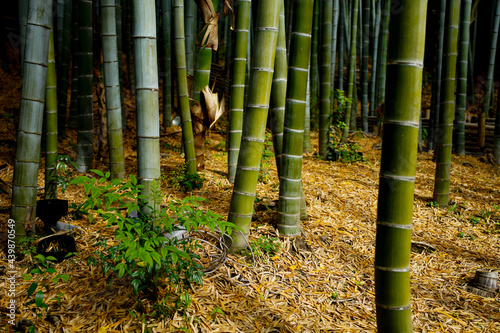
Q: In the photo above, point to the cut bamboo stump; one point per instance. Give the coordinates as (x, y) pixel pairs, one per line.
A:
(485, 283)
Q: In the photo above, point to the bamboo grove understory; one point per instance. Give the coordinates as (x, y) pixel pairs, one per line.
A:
(281, 65)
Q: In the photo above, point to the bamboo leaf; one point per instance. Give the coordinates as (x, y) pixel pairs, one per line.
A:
(32, 288)
(39, 299)
(215, 109)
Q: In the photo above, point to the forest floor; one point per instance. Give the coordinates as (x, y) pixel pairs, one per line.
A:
(320, 282)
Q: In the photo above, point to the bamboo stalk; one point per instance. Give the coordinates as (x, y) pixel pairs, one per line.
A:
(341, 45)
(352, 72)
(63, 83)
(29, 132)
(167, 60)
(373, 79)
(73, 108)
(85, 137)
(238, 85)
(364, 65)
(335, 23)
(463, 55)
(278, 91)
(146, 90)
(254, 121)
(447, 107)
(51, 124)
(112, 88)
(325, 73)
(314, 79)
(398, 166)
(307, 121)
(23, 20)
(436, 85)
(489, 76)
(182, 86)
(190, 15)
(293, 130)
(383, 52)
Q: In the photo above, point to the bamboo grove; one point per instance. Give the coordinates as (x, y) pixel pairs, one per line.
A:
(282, 62)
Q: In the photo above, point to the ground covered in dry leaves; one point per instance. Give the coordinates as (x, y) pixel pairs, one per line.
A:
(320, 282)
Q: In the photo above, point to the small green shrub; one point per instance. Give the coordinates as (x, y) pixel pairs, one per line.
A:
(49, 276)
(345, 152)
(64, 167)
(432, 204)
(27, 245)
(141, 249)
(265, 245)
(182, 180)
(475, 220)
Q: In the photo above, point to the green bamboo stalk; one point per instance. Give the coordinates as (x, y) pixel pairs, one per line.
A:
(335, 24)
(190, 29)
(481, 131)
(182, 86)
(127, 45)
(249, 56)
(63, 83)
(447, 107)
(29, 132)
(314, 80)
(203, 63)
(352, 66)
(51, 124)
(364, 65)
(472, 49)
(354, 103)
(146, 89)
(347, 11)
(254, 121)
(293, 129)
(228, 44)
(463, 55)
(325, 72)
(288, 22)
(307, 121)
(238, 85)
(278, 91)
(119, 48)
(436, 85)
(112, 88)
(85, 137)
(159, 24)
(23, 20)
(496, 137)
(341, 45)
(398, 166)
(60, 27)
(383, 52)
(167, 60)
(373, 78)
(73, 108)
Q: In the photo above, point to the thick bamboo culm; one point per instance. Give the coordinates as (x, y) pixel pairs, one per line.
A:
(146, 90)
(254, 121)
(29, 132)
(398, 166)
(112, 87)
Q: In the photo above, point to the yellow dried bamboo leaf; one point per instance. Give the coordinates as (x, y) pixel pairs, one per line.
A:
(227, 8)
(215, 109)
(211, 19)
(103, 329)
